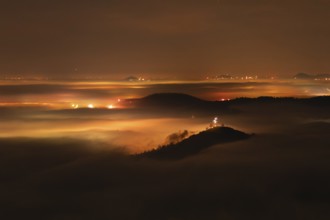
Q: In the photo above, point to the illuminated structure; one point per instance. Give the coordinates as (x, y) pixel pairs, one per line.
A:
(215, 123)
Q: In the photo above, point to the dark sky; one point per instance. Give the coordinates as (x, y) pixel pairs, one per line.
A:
(117, 38)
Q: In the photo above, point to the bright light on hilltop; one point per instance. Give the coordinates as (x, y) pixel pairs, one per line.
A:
(90, 106)
(214, 123)
(110, 106)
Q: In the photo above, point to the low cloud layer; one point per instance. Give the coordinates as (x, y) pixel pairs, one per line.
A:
(78, 164)
(268, 176)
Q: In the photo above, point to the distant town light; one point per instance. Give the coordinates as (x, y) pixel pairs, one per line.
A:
(223, 100)
(75, 106)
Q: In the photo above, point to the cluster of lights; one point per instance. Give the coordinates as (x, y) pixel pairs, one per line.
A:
(222, 100)
(229, 77)
(214, 123)
(249, 77)
(75, 106)
(91, 106)
(318, 79)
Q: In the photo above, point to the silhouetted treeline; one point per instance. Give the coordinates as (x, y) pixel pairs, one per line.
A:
(196, 143)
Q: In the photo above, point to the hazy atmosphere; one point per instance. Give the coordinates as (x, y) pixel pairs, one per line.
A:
(164, 110)
(181, 38)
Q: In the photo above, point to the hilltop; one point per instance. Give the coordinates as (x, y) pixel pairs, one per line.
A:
(196, 143)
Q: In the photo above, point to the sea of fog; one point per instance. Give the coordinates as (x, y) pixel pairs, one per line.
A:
(101, 111)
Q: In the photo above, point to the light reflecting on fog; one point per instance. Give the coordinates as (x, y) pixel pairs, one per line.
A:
(101, 110)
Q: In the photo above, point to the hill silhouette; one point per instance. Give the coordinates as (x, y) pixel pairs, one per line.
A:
(196, 143)
(182, 104)
(179, 100)
(178, 103)
(307, 76)
(169, 99)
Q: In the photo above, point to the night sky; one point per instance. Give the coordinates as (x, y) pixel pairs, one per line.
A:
(173, 38)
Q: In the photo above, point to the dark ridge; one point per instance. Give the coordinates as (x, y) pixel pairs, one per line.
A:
(182, 104)
(318, 100)
(170, 99)
(306, 76)
(303, 76)
(180, 99)
(196, 143)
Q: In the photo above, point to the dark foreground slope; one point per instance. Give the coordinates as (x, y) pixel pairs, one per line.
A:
(196, 143)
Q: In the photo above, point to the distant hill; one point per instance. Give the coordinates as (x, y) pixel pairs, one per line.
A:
(302, 76)
(179, 101)
(188, 106)
(169, 100)
(196, 143)
(307, 76)
(321, 101)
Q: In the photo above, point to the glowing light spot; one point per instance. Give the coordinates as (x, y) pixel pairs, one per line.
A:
(223, 100)
(75, 106)
(215, 120)
(110, 107)
(90, 106)
(214, 123)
